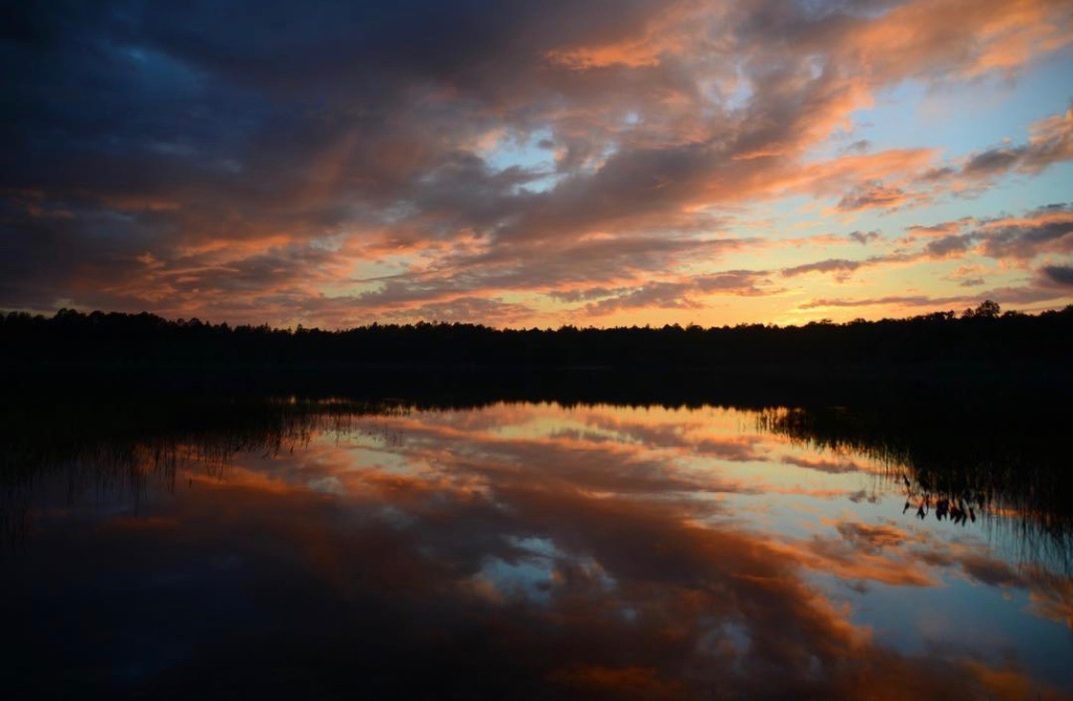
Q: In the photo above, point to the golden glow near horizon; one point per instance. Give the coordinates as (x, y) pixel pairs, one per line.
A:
(699, 162)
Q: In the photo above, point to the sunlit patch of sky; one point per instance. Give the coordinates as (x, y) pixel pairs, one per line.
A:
(532, 152)
(958, 118)
(780, 218)
(731, 96)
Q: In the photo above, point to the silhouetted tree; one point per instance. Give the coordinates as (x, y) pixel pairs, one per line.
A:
(71, 338)
(987, 310)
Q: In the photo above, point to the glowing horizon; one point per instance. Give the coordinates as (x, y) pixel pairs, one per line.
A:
(589, 163)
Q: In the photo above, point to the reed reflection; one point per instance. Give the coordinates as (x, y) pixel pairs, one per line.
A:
(512, 549)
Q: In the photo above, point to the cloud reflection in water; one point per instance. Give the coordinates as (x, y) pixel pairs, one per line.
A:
(528, 550)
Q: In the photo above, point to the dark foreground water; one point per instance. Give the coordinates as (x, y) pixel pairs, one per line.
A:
(330, 550)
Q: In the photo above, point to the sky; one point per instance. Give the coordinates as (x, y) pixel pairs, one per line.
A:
(536, 162)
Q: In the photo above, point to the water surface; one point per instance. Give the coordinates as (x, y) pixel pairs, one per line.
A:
(529, 551)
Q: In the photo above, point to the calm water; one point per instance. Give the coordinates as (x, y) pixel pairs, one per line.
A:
(524, 551)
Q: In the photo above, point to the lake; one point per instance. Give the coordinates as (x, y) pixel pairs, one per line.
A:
(329, 548)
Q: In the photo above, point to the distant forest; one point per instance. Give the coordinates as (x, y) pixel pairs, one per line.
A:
(973, 338)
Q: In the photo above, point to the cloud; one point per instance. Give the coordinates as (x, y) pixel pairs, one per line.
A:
(1028, 238)
(865, 237)
(1050, 142)
(1037, 232)
(901, 300)
(836, 265)
(1041, 286)
(870, 195)
(835, 467)
(996, 160)
(1059, 274)
(263, 158)
(947, 245)
(474, 310)
(665, 295)
(872, 537)
(943, 229)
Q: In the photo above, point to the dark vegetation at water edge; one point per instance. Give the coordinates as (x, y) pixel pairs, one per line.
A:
(975, 338)
(959, 460)
(125, 441)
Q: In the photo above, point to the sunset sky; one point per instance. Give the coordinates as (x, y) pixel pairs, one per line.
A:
(536, 162)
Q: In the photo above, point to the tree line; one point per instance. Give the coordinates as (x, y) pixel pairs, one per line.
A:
(99, 339)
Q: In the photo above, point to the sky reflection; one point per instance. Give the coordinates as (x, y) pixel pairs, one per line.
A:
(527, 550)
